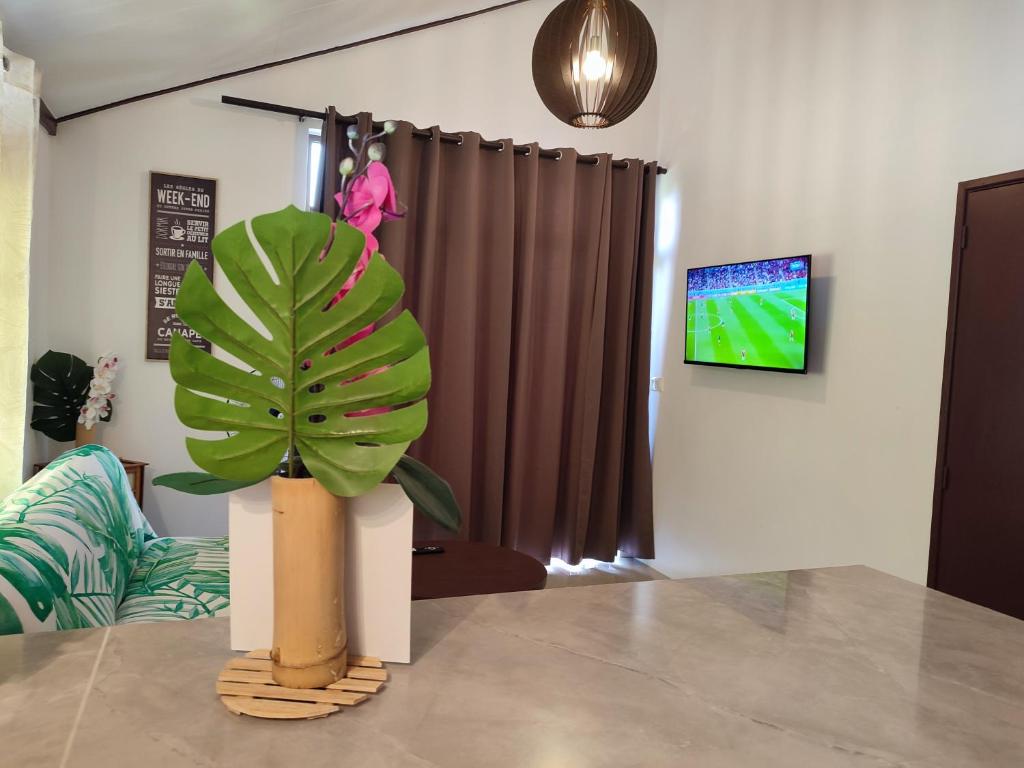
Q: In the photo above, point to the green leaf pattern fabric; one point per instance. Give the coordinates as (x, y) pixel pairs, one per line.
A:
(69, 540)
(73, 542)
(179, 578)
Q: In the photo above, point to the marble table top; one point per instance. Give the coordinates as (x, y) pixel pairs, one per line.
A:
(819, 668)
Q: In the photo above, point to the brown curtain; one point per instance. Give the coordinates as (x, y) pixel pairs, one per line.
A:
(532, 280)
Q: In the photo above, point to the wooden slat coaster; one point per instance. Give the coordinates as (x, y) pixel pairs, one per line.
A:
(352, 684)
(255, 665)
(277, 710)
(246, 687)
(317, 695)
(264, 677)
(365, 661)
(228, 675)
(363, 673)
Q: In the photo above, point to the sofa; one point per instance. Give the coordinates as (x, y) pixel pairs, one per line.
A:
(76, 551)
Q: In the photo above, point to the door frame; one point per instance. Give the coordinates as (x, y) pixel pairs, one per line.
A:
(960, 242)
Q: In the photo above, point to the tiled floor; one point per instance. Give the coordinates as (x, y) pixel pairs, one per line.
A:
(623, 569)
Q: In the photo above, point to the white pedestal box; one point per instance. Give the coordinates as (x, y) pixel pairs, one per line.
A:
(378, 571)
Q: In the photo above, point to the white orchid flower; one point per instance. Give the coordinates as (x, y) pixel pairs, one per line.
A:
(89, 416)
(97, 404)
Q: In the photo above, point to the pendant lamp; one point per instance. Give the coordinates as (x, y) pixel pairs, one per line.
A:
(594, 61)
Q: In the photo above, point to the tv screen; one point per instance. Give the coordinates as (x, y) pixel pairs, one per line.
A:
(749, 315)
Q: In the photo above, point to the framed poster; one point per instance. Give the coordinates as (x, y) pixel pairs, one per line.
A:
(181, 224)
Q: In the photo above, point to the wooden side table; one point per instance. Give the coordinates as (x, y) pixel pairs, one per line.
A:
(473, 568)
(136, 471)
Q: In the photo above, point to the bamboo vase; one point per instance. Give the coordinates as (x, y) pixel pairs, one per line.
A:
(85, 436)
(310, 648)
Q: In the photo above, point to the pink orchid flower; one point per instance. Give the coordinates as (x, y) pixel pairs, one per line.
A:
(371, 200)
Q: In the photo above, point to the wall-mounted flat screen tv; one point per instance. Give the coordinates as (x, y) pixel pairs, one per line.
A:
(751, 314)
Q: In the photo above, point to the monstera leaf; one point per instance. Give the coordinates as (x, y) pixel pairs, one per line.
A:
(60, 386)
(200, 483)
(294, 393)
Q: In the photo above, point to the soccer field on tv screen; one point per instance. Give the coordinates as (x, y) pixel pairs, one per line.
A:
(751, 314)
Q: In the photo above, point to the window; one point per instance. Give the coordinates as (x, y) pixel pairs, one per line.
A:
(314, 169)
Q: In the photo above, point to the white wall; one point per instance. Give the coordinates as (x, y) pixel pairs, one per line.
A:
(469, 75)
(838, 127)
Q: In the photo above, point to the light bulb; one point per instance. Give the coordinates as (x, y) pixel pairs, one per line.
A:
(594, 65)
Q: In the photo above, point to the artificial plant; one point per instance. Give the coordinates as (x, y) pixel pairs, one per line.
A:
(324, 391)
(61, 389)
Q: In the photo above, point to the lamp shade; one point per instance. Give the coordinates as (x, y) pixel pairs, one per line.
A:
(594, 61)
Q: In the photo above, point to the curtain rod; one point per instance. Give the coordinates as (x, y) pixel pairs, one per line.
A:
(420, 133)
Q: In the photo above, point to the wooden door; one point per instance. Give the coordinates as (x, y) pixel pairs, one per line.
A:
(977, 549)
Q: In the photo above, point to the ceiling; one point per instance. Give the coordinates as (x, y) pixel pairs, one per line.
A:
(93, 52)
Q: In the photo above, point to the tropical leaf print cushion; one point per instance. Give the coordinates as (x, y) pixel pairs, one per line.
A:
(179, 578)
(69, 541)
